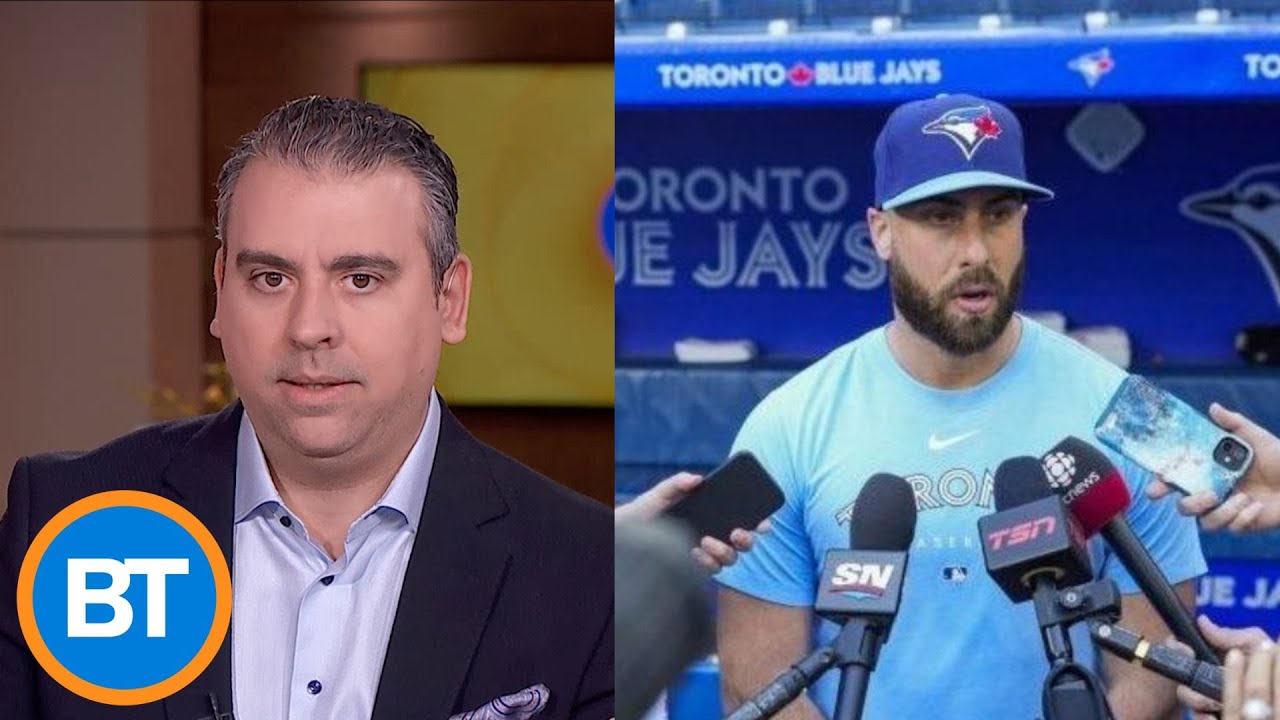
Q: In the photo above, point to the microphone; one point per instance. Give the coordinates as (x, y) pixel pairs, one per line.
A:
(866, 580)
(787, 686)
(1033, 546)
(860, 589)
(1205, 678)
(664, 618)
(1031, 541)
(1098, 496)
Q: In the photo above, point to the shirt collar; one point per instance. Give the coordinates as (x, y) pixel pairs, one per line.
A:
(405, 495)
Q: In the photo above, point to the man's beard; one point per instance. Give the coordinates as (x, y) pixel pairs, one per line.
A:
(959, 336)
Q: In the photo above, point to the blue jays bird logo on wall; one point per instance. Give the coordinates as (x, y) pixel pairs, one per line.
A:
(968, 127)
(1092, 66)
(1249, 205)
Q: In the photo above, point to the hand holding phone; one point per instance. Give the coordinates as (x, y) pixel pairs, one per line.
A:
(1254, 506)
(1172, 440)
(738, 494)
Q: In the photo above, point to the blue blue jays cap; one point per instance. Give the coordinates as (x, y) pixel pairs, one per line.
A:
(949, 143)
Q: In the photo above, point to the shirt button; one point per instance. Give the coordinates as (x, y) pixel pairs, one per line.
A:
(314, 687)
(326, 579)
(286, 521)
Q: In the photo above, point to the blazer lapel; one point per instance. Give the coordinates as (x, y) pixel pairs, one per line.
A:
(454, 574)
(201, 478)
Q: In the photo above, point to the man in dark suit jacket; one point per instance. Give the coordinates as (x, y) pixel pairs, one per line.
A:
(457, 576)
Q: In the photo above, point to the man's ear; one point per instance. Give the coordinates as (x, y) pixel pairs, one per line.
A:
(881, 237)
(454, 300)
(219, 272)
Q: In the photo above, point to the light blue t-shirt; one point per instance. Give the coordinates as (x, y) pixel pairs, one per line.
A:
(959, 648)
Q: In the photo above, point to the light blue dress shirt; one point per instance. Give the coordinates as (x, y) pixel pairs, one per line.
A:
(309, 634)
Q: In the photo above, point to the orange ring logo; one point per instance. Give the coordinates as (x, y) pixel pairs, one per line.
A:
(26, 596)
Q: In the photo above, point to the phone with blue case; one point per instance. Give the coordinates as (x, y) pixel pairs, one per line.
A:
(1171, 439)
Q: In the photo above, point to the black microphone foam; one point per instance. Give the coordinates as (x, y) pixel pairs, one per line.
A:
(663, 612)
(1020, 480)
(884, 515)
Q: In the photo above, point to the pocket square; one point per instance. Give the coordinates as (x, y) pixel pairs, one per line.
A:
(516, 706)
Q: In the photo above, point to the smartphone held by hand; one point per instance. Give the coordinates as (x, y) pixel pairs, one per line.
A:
(738, 494)
(1171, 439)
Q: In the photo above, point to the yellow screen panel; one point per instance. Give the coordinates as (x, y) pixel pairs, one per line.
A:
(533, 148)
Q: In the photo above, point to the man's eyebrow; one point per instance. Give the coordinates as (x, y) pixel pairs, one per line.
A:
(947, 200)
(262, 257)
(951, 201)
(364, 261)
(1005, 196)
(343, 263)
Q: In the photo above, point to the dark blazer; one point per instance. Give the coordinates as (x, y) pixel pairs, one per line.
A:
(510, 582)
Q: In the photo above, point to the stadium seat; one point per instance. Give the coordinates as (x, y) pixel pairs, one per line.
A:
(932, 11)
(764, 9)
(837, 11)
(1251, 7)
(1041, 9)
(1156, 8)
(662, 11)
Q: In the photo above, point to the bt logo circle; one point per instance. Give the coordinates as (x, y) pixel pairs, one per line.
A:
(124, 597)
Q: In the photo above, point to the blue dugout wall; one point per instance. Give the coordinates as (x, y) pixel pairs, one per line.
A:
(743, 172)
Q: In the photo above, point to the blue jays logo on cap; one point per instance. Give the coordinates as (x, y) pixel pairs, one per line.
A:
(969, 127)
(916, 158)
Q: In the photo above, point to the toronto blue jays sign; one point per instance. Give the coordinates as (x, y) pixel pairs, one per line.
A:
(1236, 60)
(750, 222)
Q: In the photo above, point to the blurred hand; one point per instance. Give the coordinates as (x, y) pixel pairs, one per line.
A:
(1251, 684)
(711, 553)
(1223, 639)
(655, 501)
(1255, 504)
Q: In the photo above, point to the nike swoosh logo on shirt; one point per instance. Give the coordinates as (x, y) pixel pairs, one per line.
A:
(936, 443)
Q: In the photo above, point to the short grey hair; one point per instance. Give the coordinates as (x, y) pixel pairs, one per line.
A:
(328, 134)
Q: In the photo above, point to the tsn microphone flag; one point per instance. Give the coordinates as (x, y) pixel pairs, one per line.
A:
(124, 597)
(1030, 539)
